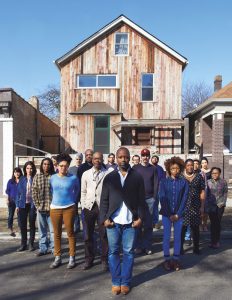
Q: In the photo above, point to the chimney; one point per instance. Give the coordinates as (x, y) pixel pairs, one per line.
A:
(217, 83)
(34, 101)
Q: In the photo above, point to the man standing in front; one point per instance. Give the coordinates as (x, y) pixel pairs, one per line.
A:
(91, 187)
(150, 177)
(121, 211)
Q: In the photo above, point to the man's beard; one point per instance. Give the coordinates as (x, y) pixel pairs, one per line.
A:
(124, 166)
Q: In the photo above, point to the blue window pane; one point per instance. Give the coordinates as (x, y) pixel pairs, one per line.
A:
(121, 49)
(147, 94)
(121, 38)
(87, 81)
(107, 81)
(147, 80)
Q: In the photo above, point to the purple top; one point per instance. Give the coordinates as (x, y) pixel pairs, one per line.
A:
(11, 189)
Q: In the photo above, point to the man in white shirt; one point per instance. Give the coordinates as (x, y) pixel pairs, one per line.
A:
(91, 188)
(121, 211)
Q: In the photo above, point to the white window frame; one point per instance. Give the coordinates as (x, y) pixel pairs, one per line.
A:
(116, 33)
(141, 87)
(97, 76)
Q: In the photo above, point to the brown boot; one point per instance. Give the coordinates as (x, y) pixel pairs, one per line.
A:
(116, 290)
(125, 289)
(167, 265)
(176, 265)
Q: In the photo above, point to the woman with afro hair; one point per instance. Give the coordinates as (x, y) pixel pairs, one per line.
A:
(173, 193)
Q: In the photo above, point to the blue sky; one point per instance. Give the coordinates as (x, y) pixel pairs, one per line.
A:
(35, 33)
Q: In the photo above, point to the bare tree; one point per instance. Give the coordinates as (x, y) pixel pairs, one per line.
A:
(194, 94)
(49, 102)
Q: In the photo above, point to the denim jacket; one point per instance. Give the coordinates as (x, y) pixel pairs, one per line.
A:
(21, 193)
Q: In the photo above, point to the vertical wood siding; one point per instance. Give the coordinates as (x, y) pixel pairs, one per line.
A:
(99, 58)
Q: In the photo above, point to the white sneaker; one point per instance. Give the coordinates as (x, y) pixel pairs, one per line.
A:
(71, 263)
(57, 262)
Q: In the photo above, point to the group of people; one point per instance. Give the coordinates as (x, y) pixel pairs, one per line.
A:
(123, 200)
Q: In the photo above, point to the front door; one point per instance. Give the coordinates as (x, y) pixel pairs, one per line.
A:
(102, 134)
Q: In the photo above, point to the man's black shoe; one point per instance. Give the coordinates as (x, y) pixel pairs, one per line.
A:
(196, 251)
(105, 266)
(87, 266)
(21, 248)
(31, 248)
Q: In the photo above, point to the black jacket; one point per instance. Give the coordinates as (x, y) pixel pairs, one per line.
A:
(113, 194)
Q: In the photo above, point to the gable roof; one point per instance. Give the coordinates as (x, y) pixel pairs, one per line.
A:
(109, 27)
(224, 95)
(225, 92)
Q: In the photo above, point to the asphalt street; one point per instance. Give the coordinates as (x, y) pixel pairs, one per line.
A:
(208, 276)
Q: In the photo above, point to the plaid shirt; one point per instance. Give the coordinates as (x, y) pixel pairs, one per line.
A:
(41, 192)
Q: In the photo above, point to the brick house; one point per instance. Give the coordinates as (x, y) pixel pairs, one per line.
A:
(122, 86)
(21, 122)
(210, 128)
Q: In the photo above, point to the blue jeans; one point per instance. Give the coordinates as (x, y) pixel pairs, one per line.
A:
(156, 211)
(188, 234)
(125, 235)
(46, 242)
(167, 225)
(11, 211)
(144, 240)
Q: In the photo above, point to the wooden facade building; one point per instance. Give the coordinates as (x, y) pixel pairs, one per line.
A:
(122, 86)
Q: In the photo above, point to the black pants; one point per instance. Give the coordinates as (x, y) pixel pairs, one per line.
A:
(195, 232)
(90, 218)
(23, 214)
(215, 224)
(11, 211)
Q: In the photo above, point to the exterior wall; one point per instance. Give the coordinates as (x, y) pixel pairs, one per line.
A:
(144, 57)
(30, 124)
(82, 131)
(6, 156)
(218, 140)
(206, 135)
(50, 133)
(24, 124)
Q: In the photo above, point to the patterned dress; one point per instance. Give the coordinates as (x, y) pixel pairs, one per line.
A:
(192, 214)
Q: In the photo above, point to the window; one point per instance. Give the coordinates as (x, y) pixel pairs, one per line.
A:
(143, 136)
(97, 81)
(101, 134)
(228, 134)
(136, 136)
(147, 87)
(121, 43)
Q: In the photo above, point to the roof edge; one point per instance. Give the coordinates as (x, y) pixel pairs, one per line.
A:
(118, 20)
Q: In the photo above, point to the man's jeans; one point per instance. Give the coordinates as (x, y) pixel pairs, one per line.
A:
(167, 225)
(156, 211)
(46, 241)
(117, 235)
(144, 240)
